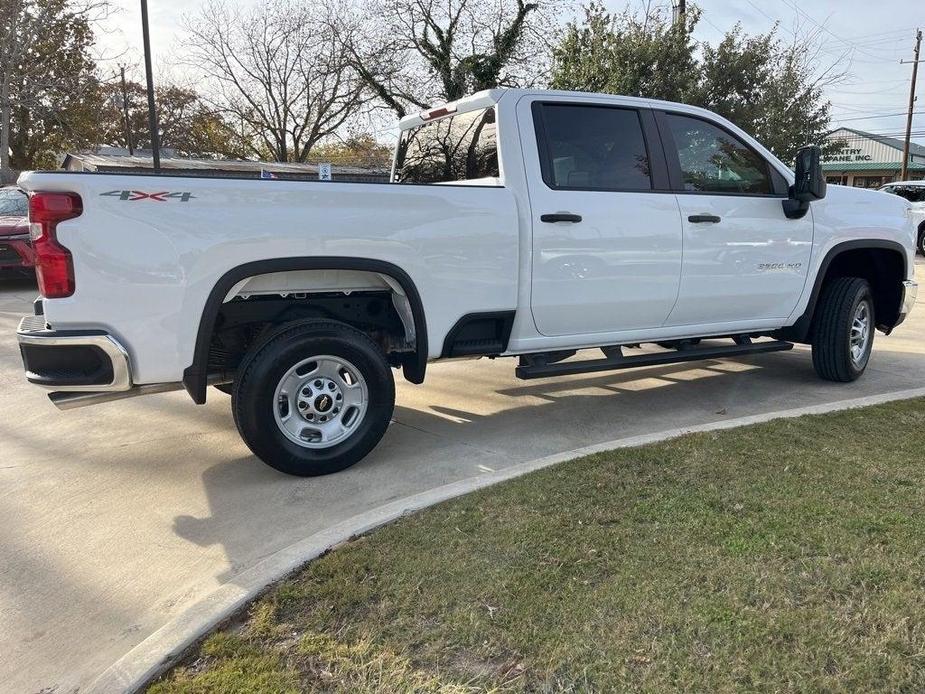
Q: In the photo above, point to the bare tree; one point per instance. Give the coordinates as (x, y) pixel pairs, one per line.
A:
(275, 73)
(411, 53)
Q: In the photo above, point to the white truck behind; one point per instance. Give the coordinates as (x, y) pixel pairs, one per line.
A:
(526, 224)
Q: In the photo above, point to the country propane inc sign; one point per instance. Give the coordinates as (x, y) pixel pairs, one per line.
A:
(849, 154)
(855, 147)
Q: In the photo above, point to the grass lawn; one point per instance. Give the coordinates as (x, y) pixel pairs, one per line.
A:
(787, 556)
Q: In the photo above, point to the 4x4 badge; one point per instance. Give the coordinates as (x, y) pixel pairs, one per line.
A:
(164, 196)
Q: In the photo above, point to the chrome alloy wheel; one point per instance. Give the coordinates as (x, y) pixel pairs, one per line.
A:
(320, 401)
(859, 338)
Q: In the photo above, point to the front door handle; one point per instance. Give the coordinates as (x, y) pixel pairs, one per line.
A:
(560, 217)
(699, 218)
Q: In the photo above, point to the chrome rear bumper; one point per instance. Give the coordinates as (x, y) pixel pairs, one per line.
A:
(69, 360)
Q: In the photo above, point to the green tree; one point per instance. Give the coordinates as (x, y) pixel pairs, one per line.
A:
(765, 87)
(628, 54)
(185, 123)
(358, 150)
(49, 95)
(768, 88)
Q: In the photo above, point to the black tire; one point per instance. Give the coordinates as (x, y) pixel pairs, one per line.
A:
(922, 239)
(226, 388)
(835, 313)
(263, 370)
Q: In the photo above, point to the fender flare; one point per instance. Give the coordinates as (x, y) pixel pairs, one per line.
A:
(799, 330)
(195, 376)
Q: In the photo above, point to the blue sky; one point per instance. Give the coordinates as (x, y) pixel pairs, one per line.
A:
(866, 38)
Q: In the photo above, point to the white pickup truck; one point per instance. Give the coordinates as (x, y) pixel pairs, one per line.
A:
(525, 224)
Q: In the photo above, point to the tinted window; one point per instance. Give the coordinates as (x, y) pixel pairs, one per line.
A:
(460, 148)
(13, 203)
(715, 161)
(910, 193)
(594, 147)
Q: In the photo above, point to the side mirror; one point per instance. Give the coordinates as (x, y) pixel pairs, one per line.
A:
(809, 182)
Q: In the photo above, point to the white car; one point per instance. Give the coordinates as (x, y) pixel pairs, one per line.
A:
(914, 192)
(519, 223)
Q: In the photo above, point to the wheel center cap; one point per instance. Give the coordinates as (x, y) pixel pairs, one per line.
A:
(323, 402)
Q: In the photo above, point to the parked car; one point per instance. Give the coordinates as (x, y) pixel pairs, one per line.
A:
(914, 192)
(15, 247)
(520, 223)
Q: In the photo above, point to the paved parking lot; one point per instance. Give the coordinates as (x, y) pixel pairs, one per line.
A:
(115, 518)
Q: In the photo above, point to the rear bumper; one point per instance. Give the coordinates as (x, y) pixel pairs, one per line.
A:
(68, 360)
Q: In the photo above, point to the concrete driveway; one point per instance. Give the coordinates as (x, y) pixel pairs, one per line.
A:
(114, 519)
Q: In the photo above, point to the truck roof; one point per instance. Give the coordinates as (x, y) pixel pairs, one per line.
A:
(490, 97)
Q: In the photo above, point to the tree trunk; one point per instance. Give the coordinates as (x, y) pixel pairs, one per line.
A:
(6, 174)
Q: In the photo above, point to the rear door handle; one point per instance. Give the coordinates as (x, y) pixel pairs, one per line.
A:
(560, 217)
(700, 218)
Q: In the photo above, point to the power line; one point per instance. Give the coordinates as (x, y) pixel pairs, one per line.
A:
(882, 115)
(867, 109)
(824, 28)
(876, 91)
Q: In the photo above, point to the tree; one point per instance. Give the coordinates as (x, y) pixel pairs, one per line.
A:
(49, 95)
(769, 88)
(358, 150)
(412, 53)
(627, 54)
(274, 73)
(186, 124)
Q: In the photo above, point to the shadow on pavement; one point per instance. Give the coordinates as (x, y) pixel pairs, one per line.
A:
(439, 443)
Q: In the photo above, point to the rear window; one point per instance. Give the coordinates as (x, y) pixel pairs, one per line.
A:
(463, 147)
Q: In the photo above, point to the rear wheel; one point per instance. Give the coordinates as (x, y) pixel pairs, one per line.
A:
(313, 398)
(843, 334)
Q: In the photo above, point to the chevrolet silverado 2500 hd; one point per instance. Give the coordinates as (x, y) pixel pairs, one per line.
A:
(526, 224)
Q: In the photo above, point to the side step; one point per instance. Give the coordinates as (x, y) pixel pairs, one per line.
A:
(530, 368)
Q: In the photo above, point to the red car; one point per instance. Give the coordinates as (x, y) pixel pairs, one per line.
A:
(15, 246)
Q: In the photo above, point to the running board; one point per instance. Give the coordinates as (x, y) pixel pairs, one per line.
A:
(538, 369)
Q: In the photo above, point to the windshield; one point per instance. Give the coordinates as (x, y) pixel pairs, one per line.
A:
(463, 147)
(13, 203)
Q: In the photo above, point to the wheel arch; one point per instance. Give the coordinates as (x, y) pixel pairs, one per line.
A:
(195, 376)
(877, 260)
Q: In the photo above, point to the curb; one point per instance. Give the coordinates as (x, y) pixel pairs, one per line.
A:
(161, 649)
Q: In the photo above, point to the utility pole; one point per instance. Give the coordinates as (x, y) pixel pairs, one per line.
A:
(128, 127)
(152, 112)
(904, 175)
(678, 8)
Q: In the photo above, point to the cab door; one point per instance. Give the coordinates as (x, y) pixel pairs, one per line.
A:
(744, 260)
(606, 251)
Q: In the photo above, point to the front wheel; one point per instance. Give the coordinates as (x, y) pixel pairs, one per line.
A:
(313, 398)
(843, 334)
(922, 240)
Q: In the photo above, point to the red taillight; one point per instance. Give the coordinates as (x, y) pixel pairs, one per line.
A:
(438, 112)
(54, 268)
